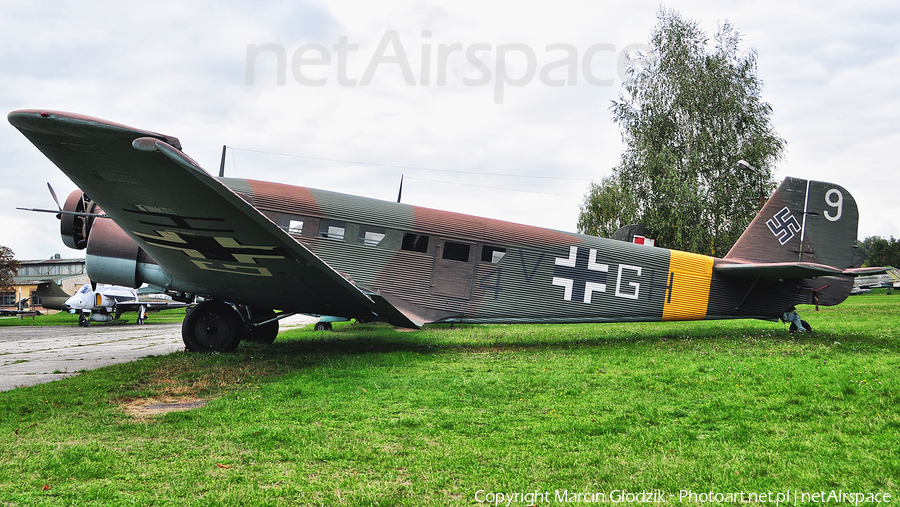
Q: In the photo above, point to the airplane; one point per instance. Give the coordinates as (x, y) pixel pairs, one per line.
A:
(108, 302)
(51, 295)
(249, 248)
(48, 292)
(888, 277)
(7, 312)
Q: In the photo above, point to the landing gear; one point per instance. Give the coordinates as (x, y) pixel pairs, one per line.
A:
(84, 320)
(142, 315)
(806, 327)
(212, 326)
(797, 325)
(265, 333)
(322, 326)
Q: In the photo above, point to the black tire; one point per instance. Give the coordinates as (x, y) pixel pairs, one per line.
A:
(323, 326)
(262, 334)
(212, 326)
(806, 326)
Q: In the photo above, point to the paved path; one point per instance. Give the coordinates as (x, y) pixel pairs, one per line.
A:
(32, 355)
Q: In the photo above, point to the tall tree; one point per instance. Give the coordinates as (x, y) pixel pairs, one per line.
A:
(687, 116)
(878, 251)
(9, 266)
(606, 208)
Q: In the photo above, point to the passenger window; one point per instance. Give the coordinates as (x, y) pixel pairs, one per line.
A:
(415, 242)
(291, 224)
(295, 227)
(456, 251)
(331, 229)
(492, 254)
(370, 236)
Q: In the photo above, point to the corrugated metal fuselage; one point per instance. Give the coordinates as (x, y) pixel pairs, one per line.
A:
(449, 267)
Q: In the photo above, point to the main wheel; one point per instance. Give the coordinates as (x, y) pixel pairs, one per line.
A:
(212, 326)
(264, 334)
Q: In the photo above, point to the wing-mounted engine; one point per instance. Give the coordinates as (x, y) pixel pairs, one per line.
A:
(112, 257)
(76, 221)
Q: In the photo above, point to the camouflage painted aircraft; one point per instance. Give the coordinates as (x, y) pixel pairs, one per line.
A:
(249, 248)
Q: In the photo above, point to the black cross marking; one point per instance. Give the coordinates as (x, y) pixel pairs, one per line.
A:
(580, 274)
(180, 222)
(213, 248)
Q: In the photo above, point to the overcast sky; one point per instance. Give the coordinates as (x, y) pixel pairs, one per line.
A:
(345, 113)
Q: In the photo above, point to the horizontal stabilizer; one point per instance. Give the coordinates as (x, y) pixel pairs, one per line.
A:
(777, 270)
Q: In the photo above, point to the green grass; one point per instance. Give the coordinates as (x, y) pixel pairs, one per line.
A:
(70, 319)
(366, 415)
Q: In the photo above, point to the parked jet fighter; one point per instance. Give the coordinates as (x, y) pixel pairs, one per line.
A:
(888, 278)
(109, 302)
(51, 295)
(265, 246)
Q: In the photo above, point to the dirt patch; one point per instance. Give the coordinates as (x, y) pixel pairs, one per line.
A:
(149, 407)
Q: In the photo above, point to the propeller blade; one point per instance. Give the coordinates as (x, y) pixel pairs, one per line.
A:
(54, 196)
(73, 213)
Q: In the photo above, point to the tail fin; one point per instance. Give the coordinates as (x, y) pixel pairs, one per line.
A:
(803, 221)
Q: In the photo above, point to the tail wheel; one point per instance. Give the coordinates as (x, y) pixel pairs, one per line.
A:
(794, 329)
(212, 326)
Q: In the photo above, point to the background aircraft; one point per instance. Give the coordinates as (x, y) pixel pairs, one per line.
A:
(889, 279)
(51, 295)
(265, 246)
(109, 302)
(48, 292)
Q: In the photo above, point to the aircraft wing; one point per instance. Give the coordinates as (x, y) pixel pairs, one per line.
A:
(16, 312)
(201, 233)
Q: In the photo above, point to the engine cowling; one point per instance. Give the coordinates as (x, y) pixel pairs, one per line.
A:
(75, 229)
(112, 256)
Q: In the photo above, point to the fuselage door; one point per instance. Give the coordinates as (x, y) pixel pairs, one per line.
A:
(454, 269)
